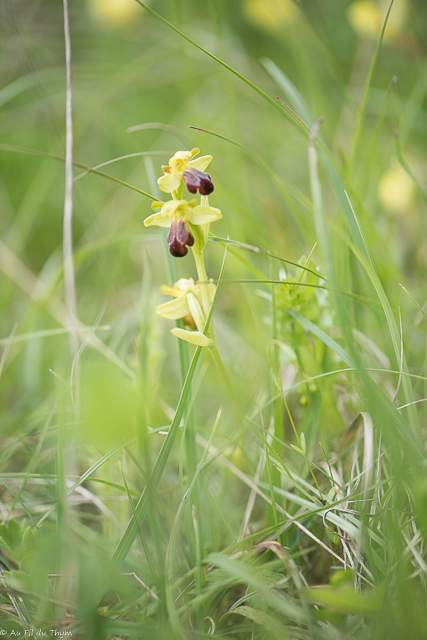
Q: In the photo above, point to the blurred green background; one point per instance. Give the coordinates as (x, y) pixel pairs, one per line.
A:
(129, 69)
(137, 86)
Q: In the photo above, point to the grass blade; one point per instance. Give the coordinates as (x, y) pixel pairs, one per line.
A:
(362, 107)
(259, 91)
(126, 541)
(50, 156)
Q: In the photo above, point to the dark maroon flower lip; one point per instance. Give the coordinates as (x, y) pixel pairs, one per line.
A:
(179, 238)
(198, 181)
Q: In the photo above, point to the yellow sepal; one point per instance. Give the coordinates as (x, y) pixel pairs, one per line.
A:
(194, 337)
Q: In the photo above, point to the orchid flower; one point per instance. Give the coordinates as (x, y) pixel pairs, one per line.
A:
(182, 166)
(178, 215)
(187, 305)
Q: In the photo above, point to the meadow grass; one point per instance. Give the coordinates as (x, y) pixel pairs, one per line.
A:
(265, 476)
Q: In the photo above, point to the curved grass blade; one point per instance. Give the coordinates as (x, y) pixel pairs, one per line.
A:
(21, 84)
(141, 533)
(254, 249)
(174, 131)
(50, 156)
(367, 265)
(307, 324)
(46, 333)
(101, 244)
(383, 403)
(253, 86)
(405, 165)
(177, 521)
(362, 107)
(126, 541)
(290, 90)
(247, 575)
(36, 289)
(265, 281)
(420, 309)
(7, 344)
(18, 499)
(35, 456)
(334, 175)
(86, 475)
(138, 154)
(262, 280)
(285, 186)
(262, 619)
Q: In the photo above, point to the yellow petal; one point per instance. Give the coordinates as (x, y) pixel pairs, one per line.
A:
(169, 208)
(170, 291)
(157, 204)
(183, 155)
(185, 285)
(174, 309)
(196, 311)
(204, 215)
(194, 337)
(158, 220)
(168, 182)
(200, 163)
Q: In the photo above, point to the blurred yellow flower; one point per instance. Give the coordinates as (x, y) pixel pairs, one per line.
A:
(187, 305)
(367, 17)
(364, 16)
(183, 166)
(396, 191)
(115, 13)
(270, 15)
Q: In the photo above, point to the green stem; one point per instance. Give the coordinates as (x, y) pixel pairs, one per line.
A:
(202, 275)
(228, 382)
(198, 254)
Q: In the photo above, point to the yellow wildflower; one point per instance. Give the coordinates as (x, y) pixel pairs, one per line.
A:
(396, 191)
(271, 15)
(115, 13)
(367, 17)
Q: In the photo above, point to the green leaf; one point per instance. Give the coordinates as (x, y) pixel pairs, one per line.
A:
(248, 575)
(346, 600)
(263, 620)
(307, 324)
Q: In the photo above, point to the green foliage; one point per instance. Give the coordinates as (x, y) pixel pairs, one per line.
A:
(269, 483)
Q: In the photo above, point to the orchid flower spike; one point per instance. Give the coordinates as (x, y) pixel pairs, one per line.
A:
(177, 215)
(182, 166)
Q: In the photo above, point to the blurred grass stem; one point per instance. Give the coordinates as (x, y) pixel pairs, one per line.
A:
(67, 242)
